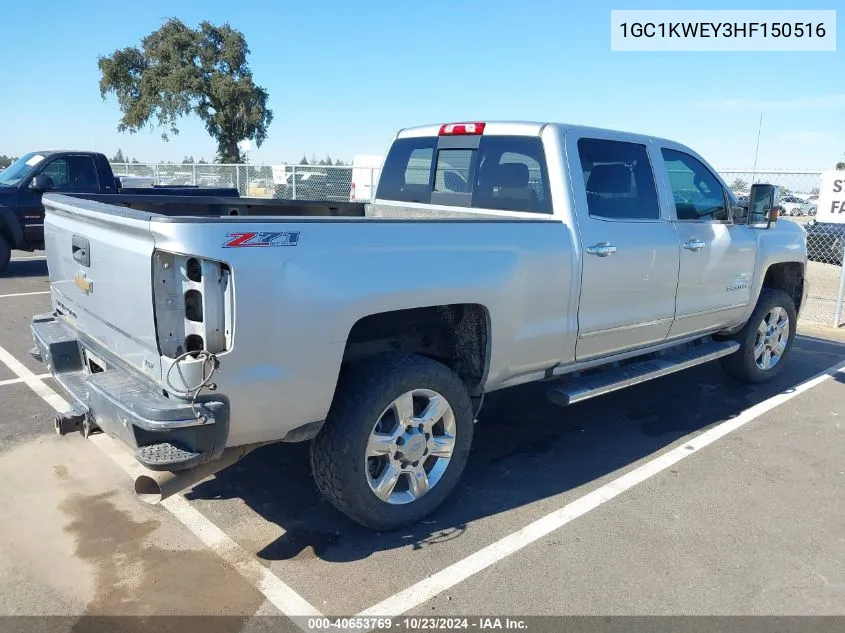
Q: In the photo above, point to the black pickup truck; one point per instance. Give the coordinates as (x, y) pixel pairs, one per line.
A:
(25, 180)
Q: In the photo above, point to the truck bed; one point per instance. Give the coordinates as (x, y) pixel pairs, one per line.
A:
(193, 205)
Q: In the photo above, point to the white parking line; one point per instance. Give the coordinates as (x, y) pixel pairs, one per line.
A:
(277, 592)
(458, 572)
(34, 382)
(25, 294)
(15, 381)
(280, 594)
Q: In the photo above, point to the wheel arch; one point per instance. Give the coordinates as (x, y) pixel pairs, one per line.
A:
(10, 226)
(457, 335)
(789, 277)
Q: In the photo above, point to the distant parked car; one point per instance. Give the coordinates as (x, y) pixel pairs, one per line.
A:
(324, 184)
(792, 205)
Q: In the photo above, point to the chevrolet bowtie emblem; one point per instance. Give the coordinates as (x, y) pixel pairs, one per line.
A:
(84, 284)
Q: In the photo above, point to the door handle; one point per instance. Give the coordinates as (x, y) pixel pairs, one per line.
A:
(602, 249)
(694, 245)
(81, 250)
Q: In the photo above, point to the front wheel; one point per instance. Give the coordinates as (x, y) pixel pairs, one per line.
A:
(395, 442)
(766, 340)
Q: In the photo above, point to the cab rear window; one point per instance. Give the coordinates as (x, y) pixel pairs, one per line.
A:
(406, 176)
(506, 173)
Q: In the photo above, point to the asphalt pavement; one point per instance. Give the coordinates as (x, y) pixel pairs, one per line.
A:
(689, 495)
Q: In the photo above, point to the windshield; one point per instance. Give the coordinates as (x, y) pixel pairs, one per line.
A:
(19, 170)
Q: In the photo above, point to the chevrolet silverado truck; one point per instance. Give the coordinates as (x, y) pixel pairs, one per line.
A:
(494, 254)
(24, 182)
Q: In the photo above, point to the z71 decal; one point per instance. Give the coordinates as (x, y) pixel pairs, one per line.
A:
(241, 240)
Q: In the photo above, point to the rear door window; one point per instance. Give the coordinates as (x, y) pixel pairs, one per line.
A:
(82, 174)
(619, 180)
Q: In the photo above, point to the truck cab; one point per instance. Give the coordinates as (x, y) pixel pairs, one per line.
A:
(24, 182)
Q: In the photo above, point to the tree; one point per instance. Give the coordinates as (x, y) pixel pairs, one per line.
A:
(178, 71)
(5, 161)
(134, 161)
(188, 160)
(304, 160)
(338, 163)
(840, 166)
(739, 185)
(118, 157)
(202, 161)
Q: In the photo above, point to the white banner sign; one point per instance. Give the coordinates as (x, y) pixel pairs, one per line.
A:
(832, 197)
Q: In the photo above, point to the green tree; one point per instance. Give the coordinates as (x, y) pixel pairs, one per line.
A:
(118, 157)
(178, 71)
(134, 161)
(5, 161)
(304, 160)
(840, 166)
(339, 163)
(202, 161)
(188, 160)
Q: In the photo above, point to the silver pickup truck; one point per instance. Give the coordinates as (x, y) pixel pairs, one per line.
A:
(495, 254)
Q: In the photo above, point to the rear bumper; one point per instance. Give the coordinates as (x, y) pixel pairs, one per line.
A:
(166, 434)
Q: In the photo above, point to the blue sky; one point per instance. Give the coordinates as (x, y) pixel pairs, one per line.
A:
(344, 76)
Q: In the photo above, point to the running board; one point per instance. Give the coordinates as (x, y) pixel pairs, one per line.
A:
(603, 382)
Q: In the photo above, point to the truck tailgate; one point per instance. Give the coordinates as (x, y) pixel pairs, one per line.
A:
(100, 277)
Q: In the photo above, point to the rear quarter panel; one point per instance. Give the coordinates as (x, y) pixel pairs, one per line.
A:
(295, 305)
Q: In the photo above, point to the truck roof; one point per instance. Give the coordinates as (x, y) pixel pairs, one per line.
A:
(52, 152)
(519, 128)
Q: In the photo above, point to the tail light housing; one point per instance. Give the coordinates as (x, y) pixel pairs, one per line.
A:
(461, 129)
(193, 299)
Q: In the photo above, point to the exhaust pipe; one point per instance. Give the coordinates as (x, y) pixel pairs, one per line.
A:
(155, 486)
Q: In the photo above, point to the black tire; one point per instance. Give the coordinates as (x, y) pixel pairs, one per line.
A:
(5, 252)
(338, 459)
(742, 364)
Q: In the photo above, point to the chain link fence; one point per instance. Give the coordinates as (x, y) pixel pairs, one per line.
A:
(825, 242)
(799, 201)
(285, 182)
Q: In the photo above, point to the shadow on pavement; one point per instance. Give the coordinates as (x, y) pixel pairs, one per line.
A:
(525, 449)
(26, 268)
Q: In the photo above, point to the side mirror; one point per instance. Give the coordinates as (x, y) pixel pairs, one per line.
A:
(41, 183)
(762, 206)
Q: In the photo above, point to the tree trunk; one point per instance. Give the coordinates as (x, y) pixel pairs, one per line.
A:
(229, 152)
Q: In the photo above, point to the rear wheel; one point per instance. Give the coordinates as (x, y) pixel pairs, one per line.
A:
(395, 442)
(5, 252)
(766, 340)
